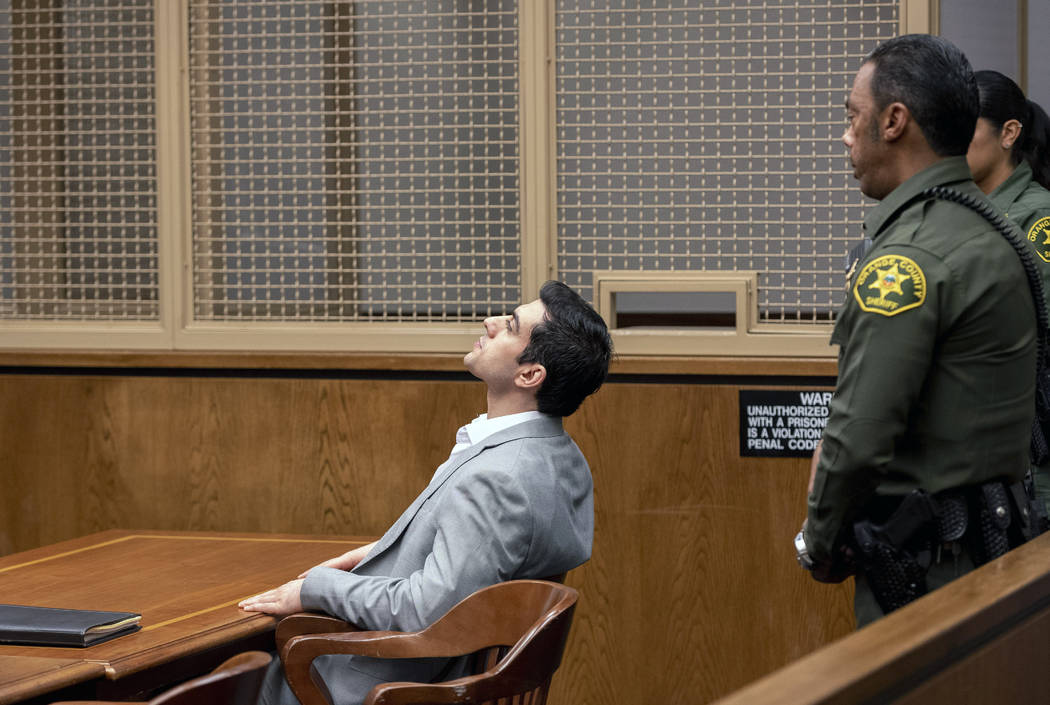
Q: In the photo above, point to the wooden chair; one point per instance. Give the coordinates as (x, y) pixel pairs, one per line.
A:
(235, 682)
(516, 629)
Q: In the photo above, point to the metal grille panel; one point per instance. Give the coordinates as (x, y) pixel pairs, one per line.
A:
(707, 138)
(78, 236)
(358, 160)
(354, 161)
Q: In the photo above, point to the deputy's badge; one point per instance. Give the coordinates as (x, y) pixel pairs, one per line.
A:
(889, 285)
(1039, 236)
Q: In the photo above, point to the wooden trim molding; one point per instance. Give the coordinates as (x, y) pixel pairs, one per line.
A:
(627, 364)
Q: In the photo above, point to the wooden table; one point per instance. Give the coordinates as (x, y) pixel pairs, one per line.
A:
(186, 586)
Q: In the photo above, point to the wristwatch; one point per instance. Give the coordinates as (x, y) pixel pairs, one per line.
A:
(802, 552)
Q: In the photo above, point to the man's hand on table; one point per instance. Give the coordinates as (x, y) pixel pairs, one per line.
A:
(279, 601)
(285, 599)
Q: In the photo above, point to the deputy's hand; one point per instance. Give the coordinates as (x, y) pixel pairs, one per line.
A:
(840, 567)
(347, 561)
(279, 601)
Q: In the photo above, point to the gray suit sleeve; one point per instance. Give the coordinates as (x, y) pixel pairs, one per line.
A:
(482, 529)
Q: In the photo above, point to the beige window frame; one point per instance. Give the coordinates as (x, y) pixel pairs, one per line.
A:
(177, 329)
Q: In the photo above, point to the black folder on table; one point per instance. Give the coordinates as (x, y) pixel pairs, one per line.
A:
(49, 626)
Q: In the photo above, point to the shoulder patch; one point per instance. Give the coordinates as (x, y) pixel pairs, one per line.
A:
(889, 285)
(1039, 236)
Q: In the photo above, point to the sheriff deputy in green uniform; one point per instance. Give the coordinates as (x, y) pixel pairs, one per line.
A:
(1010, 162)
(937, 335)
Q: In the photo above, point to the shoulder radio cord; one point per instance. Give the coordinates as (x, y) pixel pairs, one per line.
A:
(1040, 451)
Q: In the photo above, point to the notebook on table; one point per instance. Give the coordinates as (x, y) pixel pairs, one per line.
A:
(49, 626)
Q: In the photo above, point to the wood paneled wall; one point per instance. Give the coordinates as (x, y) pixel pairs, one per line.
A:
(96, 452)
(692, 591)
(983, 638)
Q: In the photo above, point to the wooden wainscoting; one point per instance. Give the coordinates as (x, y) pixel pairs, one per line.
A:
(99, 452)
(692, 591)
(981, 639)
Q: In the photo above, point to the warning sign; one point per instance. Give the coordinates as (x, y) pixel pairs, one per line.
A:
(780, 424)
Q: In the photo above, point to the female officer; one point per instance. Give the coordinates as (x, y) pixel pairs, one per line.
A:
(1010, 162)
(1009, 158)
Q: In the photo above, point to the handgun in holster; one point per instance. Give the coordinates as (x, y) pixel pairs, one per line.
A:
(991, 519)
(896, 554)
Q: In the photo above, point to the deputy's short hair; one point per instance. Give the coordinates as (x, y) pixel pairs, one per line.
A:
(933, 78)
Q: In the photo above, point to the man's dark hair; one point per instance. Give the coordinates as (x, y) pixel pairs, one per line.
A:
(933, 79)
(573, 344)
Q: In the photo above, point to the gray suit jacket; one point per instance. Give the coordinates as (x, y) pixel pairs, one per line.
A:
(516, 505)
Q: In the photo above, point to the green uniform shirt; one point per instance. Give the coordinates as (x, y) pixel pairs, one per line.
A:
(937, 359)
(1027, 203)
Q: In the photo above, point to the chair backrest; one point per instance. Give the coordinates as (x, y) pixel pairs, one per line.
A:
(236, 682)
(521, 626)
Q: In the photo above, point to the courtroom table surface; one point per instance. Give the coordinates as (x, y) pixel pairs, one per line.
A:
(186, 585)
(23, 677)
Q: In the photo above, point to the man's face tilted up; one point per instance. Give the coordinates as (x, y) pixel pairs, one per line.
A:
(494, 359)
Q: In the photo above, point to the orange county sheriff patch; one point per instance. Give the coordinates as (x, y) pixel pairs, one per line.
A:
(1039, 236)
(889, 285)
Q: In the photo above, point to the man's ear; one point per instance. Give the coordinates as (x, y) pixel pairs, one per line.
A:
(894, 121)
(530, 376)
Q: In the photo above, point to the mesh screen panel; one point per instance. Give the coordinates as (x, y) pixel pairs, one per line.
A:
(706, 137)
(354, 161)
(78, 236)
(359, 160)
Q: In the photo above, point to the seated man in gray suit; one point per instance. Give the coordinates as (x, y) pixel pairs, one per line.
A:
(513, 500)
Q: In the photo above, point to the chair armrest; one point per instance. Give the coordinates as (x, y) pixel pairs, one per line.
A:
(308, 623)
(413, 694)
(371, 644)
(483, 687)
(298, 652)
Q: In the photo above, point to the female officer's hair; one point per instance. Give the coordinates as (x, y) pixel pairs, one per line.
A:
(1003, 100)
(573, 344)
(934, 80)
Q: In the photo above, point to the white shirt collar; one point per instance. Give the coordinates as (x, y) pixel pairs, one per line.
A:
(482, 427)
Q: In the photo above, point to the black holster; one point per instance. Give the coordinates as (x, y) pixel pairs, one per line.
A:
(1003, 517)
(895, 555)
